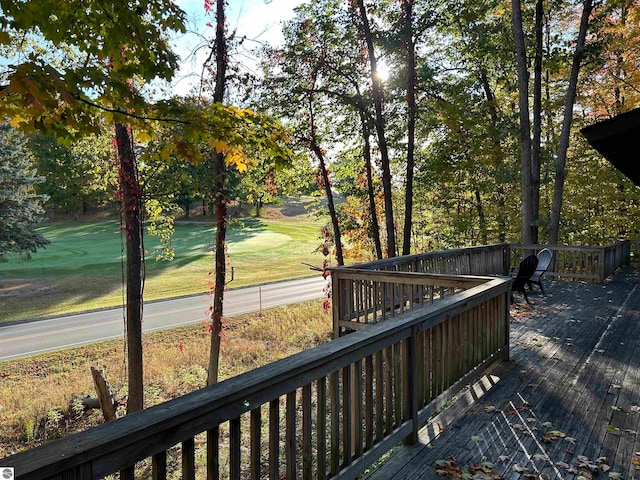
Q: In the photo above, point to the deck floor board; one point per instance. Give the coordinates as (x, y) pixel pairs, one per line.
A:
(575, 370)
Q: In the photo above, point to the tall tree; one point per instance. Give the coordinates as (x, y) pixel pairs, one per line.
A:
(220, 199)
(361, 18)
(411, 85)
(563, 145)
(20, 205)
(525, 123)
(131, 211)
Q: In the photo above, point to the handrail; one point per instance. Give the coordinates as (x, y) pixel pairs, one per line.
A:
(593, 263)
(364, 297)
(354, 399)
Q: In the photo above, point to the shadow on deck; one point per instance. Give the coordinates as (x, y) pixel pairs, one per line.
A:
(568, 402)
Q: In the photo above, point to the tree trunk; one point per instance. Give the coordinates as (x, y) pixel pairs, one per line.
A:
(220, 267)
(563, 145)
(498, 153)
(525, 125)
(330, 204)
(411, 82)
(220, 200)
(380, 130)
(187, 210)
(375, 228)
(131, 212)
(536, 159)
(483, 221)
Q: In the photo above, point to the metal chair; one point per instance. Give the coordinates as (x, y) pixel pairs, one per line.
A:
(545, 256)
(525, 270)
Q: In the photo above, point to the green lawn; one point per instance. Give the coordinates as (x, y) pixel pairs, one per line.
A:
(81, 268)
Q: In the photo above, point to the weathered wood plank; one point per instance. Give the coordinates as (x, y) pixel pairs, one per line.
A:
(274, 439)
(159, 466)
(256, 443)
(189, 459)
(290, 436)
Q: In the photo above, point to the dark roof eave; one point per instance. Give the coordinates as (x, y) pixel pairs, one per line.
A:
(618, 140)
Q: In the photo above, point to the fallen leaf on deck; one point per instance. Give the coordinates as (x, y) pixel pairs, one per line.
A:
(532, 419)
(540, 456)
(604, 467)
(636, 462)
(569, 452)
(613, 430)
(520, 469)
(635, 408)
(632, 432)
(547, 424)
(615, 475)
(477, 438)
(562, 464)
(616, 386)
(491, 409)
(552, 436)
(571, 440)
(617, 409)
(600, 350)
(504, 458)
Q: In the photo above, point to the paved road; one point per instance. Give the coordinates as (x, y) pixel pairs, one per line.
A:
(61, 332)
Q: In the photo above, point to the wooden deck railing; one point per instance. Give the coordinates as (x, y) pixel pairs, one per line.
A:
(368, 293)
(328, 412)
(579, 262)
(365, 297)
(482, 260)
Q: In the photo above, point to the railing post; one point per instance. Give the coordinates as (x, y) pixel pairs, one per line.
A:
(506, 258)
(506, 317)
(411, 369)
(627, 252)
(337, 300)
(602, 253)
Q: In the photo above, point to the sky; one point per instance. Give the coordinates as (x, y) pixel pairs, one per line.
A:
(258, 20)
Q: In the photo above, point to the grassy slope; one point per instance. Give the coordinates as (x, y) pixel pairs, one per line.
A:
(36, 393)
(81, 268)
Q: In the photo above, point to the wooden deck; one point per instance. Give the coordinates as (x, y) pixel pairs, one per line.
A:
(570, 396)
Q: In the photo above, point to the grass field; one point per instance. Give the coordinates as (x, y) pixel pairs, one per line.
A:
(81, 268)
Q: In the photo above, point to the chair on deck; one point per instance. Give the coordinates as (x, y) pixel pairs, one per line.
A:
(525, 270)
(544, 260)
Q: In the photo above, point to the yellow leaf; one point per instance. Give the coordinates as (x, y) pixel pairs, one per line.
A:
(143, 137)
(236, 157)
(17, 120)
(219, 146)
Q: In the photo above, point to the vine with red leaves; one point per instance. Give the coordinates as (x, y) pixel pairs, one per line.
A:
(326, 273)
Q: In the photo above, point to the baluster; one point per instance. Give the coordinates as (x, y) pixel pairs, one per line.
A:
(256, 440)
(322, 428)
(159, 466)
(274, 439)
(290, 435)
(234, 448)
(213, 453)
(189, 459)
